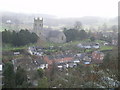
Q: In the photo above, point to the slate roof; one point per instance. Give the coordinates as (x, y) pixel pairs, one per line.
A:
(82, 55)
(54, 33)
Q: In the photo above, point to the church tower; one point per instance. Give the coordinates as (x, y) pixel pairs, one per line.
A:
(38, 25)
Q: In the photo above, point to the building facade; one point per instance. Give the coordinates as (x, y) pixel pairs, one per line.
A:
(97, 57)
(47, 34)
(38, 26)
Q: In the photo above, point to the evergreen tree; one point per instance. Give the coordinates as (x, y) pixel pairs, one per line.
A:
(21, 38)
(9, 75)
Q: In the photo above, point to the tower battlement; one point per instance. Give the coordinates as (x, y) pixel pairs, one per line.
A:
(38, 25)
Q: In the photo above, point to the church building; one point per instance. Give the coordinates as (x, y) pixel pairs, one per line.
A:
(48, 34)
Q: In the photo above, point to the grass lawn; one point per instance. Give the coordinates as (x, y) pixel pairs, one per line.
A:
(13, 48)
(72, 43)
(9, 48)
(99, 41)
(69, 45)
(106, 48)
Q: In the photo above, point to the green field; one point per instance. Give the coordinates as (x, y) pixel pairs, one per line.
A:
(69, 45)
(106, 48)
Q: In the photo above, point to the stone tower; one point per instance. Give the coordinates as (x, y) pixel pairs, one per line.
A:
(38, 25)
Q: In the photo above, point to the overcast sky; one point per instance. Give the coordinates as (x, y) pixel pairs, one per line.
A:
(63, 8)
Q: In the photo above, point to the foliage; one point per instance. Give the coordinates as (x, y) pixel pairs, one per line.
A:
(20, 38)
(21, 77)
(43, 83)
(92, 38)
(53, 70)
(74, 34)
(14, 79)
(6, 36)
(106, 58)
(40, 72)
(9, 75)
(78, 25)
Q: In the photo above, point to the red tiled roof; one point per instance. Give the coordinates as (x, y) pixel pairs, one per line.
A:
(47, 60)
(64, 59)
(57, 60)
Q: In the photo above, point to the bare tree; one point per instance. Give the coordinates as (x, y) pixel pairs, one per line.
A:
(78, 25)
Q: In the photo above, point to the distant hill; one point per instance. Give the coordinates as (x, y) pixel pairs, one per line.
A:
(26, 20)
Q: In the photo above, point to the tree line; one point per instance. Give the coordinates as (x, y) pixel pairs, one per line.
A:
(23, 37)
(75, 34)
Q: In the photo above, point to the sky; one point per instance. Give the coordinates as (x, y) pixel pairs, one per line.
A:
(63, 8)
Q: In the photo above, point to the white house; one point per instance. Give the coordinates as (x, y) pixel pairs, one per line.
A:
(16, 53)
(0, 67)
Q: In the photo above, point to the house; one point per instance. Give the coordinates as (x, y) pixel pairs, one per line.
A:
(97, 57)
(0, 67)
(88, 45)
(31, 50)
(96, 46)
(16, 53)
(86, 63)
(80, 56)
(43, 66)
(76, 61)
(35, 51)
(114, 42)
(60, 66)
(71, 65)
(86, 58)
(106, 43)
(29, 64)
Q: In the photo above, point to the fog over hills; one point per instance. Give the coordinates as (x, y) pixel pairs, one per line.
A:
(50, 20)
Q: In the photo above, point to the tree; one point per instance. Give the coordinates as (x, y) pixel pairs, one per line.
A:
(9, 75)
(53, 70)
(43, 83)
(23, 37)
(74, 34)
(70, 34)
(34, 38)
(114, 28)
(21, 77)
(40, 72)
(92, 38)
(15, 39)
(82, 35)
(6, 36)
(104, 27)
(78, 25)
(106, 58)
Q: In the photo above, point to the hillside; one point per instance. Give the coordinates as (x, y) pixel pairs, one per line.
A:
(21, 20)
